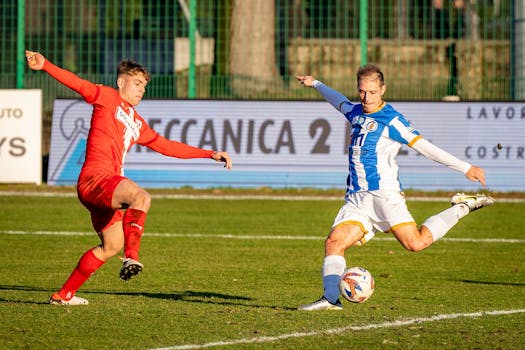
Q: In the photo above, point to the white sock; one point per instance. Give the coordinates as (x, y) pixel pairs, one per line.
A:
(333, 268)
(441, 223)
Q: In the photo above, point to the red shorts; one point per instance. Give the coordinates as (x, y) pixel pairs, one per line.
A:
(95, 191)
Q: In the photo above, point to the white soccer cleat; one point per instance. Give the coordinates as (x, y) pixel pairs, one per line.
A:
(472, 201)
(321, 304)
(57, 300)
(130, 268)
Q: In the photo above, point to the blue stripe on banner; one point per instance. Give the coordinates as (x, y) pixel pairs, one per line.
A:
(68, 173)
(157, 178)
(224, 178)
(254, 179)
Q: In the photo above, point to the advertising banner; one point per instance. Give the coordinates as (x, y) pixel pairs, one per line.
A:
(298, 144)
(21, 136)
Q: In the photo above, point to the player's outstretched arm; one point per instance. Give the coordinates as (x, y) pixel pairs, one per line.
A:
(37, 61)
(172, 148)
(334, 97)
(432, 152)
(223, 157)
(475, 173)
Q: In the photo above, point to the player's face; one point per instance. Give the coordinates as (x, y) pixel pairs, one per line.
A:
(370, 93)
(132, 87)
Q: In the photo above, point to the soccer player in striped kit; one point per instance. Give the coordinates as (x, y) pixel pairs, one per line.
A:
(118, 206)
(374, 199)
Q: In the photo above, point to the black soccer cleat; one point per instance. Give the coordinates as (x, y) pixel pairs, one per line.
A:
(130, 268)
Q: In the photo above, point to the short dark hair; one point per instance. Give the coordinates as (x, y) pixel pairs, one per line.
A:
(368, 70)
(131, 67)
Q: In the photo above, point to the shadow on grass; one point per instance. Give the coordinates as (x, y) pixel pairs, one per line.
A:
(494, 283)
(25, 289)
(187, 296)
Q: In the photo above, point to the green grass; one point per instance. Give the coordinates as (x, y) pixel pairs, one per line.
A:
(206, 289)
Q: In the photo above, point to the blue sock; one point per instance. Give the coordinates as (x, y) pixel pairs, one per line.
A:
(333, 268)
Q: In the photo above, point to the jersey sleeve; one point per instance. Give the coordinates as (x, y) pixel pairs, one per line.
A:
(151, 139)
(85, 88)
(334, 97)
(401, 131)
(437, 154)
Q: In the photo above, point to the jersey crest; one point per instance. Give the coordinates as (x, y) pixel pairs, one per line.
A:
(369, 124)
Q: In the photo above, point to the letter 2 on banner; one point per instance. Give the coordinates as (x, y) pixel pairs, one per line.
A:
(21, 136)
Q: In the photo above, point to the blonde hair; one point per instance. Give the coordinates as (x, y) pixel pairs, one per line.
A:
(369, 70)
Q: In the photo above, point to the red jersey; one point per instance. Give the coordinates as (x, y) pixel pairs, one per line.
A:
(116, 127)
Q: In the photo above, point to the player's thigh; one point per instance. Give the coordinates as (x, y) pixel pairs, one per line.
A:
(411, 238)
(128, 192)
(342, 237)
(406, 233)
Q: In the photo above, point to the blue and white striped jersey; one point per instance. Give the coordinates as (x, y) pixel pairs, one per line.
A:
(375, 142)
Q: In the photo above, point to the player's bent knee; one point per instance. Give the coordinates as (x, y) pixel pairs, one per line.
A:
(110, 250)
(416, 246)
(336, 246)
(142, 200)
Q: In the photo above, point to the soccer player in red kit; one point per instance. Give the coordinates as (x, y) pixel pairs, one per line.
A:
(118, 206)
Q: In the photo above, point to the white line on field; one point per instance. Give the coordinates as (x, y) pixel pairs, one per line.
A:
(389, 324)
(243, 197)
(262, 237)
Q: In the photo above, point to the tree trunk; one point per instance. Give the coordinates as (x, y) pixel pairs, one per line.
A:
(402, 19)
(253, 67)
(472, 20)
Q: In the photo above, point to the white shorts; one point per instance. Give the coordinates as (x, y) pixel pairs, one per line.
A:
(375, 211)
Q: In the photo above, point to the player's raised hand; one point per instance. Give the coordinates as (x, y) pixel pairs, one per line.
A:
(306, 80)
(223, 157)
(35, 60)
(476, 174)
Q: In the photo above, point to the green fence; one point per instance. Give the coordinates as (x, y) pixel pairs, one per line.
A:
(251, 49)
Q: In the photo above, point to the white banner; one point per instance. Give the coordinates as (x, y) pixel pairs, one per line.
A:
(21, 136)
(298, 144)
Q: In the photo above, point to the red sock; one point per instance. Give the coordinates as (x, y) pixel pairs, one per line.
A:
(86, 266)
(133, 226)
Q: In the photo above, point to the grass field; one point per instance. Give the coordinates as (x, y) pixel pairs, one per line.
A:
(228, 274)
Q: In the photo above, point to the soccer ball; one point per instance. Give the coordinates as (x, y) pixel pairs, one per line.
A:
(357, 284)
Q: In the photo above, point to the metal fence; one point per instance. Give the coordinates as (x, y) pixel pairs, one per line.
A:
(251, 49)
